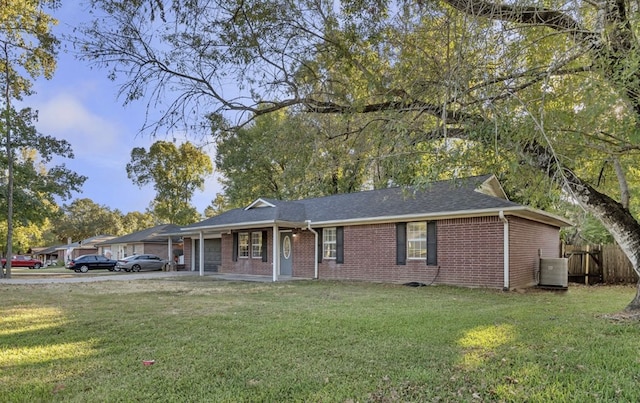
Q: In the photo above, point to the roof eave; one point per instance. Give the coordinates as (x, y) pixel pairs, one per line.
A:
(525, 212)
(241, 225)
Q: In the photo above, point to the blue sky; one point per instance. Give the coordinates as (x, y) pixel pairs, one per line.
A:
(80, 105)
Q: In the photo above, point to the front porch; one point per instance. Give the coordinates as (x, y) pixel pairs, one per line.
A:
(278, 252)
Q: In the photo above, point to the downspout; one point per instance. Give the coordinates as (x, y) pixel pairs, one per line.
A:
(505, 249)
(315, 255)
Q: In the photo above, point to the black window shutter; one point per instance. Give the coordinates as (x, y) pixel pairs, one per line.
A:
(339, 244)
(320, 245)
(234, 253)
(432, 244)
(401, 243)
(264, 246)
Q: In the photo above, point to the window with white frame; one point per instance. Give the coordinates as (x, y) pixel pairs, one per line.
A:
(329, 243)
(256, 244)
(243, 244)
(417, 240)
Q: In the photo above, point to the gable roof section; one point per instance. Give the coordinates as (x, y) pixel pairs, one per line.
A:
(466, 197)
(259, 203)
(157, 234)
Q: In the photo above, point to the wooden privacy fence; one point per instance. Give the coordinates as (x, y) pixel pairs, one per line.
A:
(591, 264)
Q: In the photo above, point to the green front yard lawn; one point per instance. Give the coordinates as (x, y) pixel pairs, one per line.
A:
(313, 341)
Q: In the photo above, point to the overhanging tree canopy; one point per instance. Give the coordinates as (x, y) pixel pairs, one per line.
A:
(551, 87)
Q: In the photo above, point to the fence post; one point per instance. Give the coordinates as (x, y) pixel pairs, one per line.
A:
(587, 257)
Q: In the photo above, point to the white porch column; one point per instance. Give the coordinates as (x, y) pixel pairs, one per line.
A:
(276, 251)
(172, 264)
(192, 264)
(201, 253)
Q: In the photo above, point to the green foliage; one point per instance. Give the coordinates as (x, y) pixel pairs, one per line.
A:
(288, 157)
(313, 341)
(586, 230)
(544, 94)
(83, 219)
(136, 221)
(40, 182)
(26, 236)
(29, 48)
(217, 206)
(176, 173)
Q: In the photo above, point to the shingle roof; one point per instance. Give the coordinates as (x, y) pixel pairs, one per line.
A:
(87, 243)
(438, 197)
(159, 233)
(459, 196)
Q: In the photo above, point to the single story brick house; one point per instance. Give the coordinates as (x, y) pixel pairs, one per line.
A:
(461, 232)
(87, 246)
(155, 240)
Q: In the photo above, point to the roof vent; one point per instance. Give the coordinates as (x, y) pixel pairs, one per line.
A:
(554, 272)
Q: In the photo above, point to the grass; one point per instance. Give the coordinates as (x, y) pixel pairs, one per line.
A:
(312, 341)
(55, 271)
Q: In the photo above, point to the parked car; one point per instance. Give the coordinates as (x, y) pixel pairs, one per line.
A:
(23, 261)
(84, 263)
(141, 262)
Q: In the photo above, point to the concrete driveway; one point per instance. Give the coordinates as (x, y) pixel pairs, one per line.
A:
(79, 278)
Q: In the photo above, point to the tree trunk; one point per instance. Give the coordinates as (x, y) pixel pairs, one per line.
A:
(634, 305)
(622, 225)
(6, 272)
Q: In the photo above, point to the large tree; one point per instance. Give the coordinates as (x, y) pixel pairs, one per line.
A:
(27, 50)
(287, 156)
(175, 173)
(550, 90)
(83, 218)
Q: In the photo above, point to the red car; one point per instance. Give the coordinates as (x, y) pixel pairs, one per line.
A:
(23, 261)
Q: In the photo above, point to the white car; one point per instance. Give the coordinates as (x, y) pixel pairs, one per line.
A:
(141, 262)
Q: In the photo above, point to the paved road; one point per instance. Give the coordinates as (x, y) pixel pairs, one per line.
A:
(79, 278)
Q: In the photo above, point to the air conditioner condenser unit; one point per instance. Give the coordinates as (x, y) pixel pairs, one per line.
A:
(554, 272)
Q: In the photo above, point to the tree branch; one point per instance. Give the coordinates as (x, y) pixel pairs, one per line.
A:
(523, 15)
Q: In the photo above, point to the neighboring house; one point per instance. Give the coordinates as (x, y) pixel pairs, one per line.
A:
(87, 246)
(461, 232)
(46, 254)
(153, 240)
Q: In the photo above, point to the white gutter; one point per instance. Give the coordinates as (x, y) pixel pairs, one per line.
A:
(315, 255)
(237, 226)
(505, 249)
(520, 211)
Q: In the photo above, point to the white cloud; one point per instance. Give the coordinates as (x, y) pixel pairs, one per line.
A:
(64, 116)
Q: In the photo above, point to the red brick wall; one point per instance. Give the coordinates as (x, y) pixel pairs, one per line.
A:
(304, 254)
(245, 265)
(469, 254)
(528, 241)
